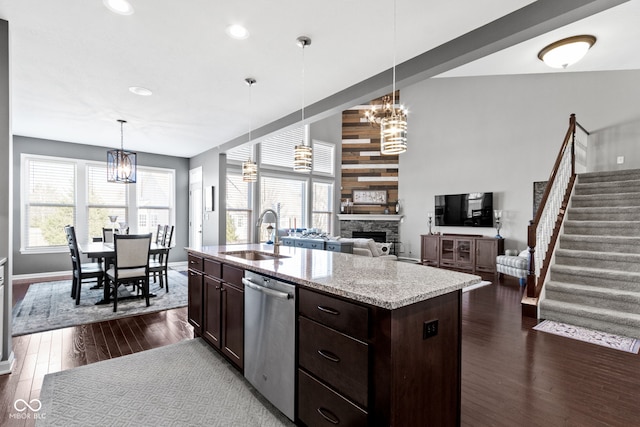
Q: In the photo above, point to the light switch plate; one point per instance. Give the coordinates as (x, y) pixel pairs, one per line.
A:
(620, 160)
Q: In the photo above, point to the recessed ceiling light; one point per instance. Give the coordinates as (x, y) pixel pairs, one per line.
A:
(237, 31)
(567, 51)
(142, 91)
(121, 7)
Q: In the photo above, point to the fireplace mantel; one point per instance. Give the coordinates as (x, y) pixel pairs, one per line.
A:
(368, 217)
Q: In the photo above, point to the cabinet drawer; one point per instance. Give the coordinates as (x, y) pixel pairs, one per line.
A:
(352, 319)
(341, 361)
(315, 244)
(318, 405)
(232, 275)
(195, 262)
(287, 242)
(213, 268)
(339, 247)
(299, 244)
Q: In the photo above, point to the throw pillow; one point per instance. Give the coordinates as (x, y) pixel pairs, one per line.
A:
(385, 248)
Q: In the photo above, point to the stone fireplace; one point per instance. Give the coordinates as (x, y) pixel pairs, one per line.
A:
(389, 224)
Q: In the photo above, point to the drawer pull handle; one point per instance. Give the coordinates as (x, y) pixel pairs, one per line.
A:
(329, 416)
(329, 356)
(328, 310)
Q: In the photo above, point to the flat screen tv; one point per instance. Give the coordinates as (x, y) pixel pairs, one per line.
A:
(464, 210)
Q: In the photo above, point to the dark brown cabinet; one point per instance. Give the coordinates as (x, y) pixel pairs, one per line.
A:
(194, 301)
(469, 253)
(211, 326)
(333, 361)
(430, 250)
(232, 313)
(361, 365)
(216, 306)
(487, 249)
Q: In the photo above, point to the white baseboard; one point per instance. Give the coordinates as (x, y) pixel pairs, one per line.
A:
(6, 366)
(179, 265)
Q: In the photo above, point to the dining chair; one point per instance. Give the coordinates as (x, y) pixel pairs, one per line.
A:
(107, 234)
(160, 265)
(130, 264)
(81, 271)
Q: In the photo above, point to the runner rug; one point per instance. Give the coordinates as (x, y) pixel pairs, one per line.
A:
(183, 384)
(49, 305)
(617, 342)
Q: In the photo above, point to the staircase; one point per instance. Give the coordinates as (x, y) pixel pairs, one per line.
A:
(595, 281)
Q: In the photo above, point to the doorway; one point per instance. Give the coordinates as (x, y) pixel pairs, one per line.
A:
(195, 207)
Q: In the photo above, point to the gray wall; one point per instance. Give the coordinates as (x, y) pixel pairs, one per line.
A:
(5, 188)
(499, 134)
(605, 145)
(213, 164)
(42, 263)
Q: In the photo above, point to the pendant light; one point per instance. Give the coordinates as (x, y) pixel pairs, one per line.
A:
(303, 154)
(121, 165)
(250, 168)
(392, 118)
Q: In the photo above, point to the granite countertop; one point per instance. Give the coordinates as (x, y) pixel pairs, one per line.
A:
(384, 283)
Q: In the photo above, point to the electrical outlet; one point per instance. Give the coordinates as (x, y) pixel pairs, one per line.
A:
(430, 329)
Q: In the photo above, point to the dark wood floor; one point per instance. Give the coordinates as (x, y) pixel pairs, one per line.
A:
(511, 374)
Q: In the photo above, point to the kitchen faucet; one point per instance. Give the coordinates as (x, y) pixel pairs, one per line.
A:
(276, 240)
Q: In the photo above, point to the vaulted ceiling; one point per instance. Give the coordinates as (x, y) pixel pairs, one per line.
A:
(72, 61)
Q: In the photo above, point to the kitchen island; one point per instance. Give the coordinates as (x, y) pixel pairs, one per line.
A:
(377, 342)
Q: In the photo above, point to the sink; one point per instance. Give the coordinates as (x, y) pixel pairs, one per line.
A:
(254, 255)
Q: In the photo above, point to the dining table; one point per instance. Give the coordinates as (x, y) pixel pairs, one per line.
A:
(104, 252)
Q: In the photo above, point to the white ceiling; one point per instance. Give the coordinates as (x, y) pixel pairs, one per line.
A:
(72, 61)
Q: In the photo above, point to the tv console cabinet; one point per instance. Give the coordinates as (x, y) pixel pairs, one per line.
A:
(466, 252)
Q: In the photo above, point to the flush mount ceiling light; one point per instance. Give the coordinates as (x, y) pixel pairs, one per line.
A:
(392, 117)
(249, 168)
(121, 165)
(121, 7)
(237, 31)
(142, 91)
(302, 154)
(566, 52)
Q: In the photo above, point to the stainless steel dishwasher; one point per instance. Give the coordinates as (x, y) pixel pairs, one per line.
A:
(269, 339)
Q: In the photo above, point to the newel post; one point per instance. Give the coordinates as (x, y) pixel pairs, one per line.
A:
(531, 243)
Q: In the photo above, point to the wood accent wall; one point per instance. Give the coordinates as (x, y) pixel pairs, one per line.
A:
(363, 167)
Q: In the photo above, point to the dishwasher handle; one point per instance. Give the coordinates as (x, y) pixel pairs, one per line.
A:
(268, 291)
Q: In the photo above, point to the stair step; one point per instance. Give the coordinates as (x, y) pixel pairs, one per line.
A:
(613, 279)
(600, 319)
(621, 244)
(601, 260)
(608, 187)
(621, 213)
(605, 200)
(603, 228)
(601, 297)
(621, 175)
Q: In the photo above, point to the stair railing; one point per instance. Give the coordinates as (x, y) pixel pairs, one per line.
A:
(544, 229)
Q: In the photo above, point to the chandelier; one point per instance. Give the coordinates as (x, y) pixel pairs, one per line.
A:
(302, 153)
(121, 164)
(250, 168)
(391, 117)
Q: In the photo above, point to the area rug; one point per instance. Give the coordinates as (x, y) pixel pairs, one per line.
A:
(48, 305)
(183, 384)
(617, 342)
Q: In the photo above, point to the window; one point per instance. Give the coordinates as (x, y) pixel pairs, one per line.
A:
(290, 193)
(155, 197)
(322, 211)
(104, 199)
(48, 204)
(278, 150)
(80, 195)
(238, 209)
(323, 157)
